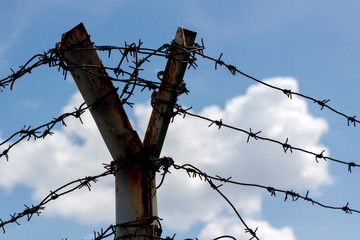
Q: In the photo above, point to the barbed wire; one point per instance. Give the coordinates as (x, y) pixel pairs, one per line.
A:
(44, 130)
(133, 79)
(165, 51)
(27, 132)
(163, 164)
(111, 231)
(179, 110)
(160, 164)
(50, 58)
(63, 190)
(288, 92)
(166, 162)
(55, 58)
(194, 172)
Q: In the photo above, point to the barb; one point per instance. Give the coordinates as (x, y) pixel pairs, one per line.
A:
(286, 146)
(161, 164)
(111, 230)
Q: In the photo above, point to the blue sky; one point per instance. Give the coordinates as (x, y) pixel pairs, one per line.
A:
(308, 46)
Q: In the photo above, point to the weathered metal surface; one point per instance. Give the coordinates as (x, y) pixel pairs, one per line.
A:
(167, 95)
(164, 102)
(132, 185)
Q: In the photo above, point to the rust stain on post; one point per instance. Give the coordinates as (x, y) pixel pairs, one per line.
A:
(133, 185)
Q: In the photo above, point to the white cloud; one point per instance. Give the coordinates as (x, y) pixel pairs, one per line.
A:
(230, 226)
(71, 153)
(78, 151)
(225, 152)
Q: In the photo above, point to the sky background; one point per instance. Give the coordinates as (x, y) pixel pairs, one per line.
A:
(307, 46)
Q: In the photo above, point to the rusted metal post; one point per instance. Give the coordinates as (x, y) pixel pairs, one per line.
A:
(132, 183)
(165, 100)
(168, 92)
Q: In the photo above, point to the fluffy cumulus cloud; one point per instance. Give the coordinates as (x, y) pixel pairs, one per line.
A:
(226, 153)
(78, 151)
(71, 153)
